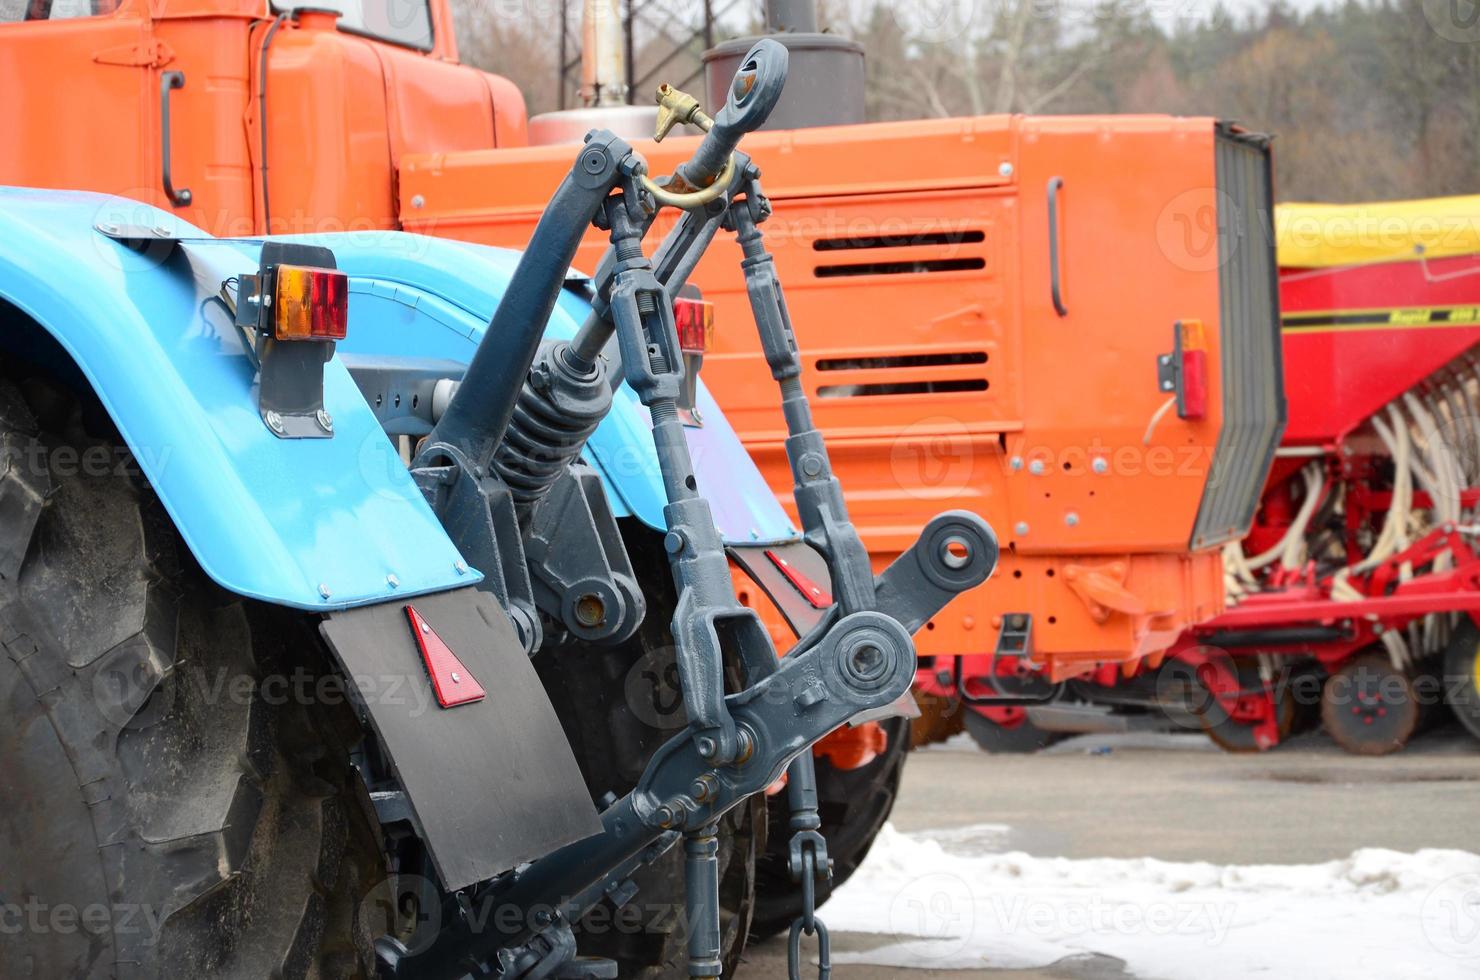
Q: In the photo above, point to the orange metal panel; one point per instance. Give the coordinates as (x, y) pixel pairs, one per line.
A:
(341, 109)
(107, 143)
(328, 152)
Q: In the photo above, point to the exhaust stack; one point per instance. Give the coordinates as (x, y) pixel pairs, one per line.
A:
(603, 58)
(791, 16)
(603, 86)
(826, 84)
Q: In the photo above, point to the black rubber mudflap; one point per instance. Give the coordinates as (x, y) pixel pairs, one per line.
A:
(493, 783)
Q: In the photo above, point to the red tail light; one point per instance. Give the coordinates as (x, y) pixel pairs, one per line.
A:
(695, 321)
(310, 303)
(1194, 400)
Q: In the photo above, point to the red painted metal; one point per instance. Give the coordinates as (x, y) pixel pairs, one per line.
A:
(1337, 375)
(815, 594)
(451, 680)
(1254, 708)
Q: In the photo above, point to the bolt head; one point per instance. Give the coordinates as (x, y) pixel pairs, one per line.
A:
(417, 201)
(1004, 168)
(392, 581)
(594, 162)
(1071, 519)
(1017, 463)
(456, 677)
(1036, 467)
(274, 421)
(1100, 465)
(811, 694)
(324, 590)
(706, 746)
(1021, 527)
(325, 420)
(460, 566)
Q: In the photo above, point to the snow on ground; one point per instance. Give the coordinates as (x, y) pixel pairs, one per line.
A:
(1160, 741)
(959, 742)
(1097, 743)
(953, 900)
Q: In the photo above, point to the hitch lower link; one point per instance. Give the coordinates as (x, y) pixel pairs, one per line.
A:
(857, 661)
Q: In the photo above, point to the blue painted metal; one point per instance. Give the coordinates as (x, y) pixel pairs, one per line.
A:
(275, 519)
(431, 297)
(268, 518)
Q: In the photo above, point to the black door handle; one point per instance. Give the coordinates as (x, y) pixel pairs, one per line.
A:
(1055, 281)
(170, 80)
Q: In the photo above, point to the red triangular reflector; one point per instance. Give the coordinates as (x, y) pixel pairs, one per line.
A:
(819, 597)
(451, 681)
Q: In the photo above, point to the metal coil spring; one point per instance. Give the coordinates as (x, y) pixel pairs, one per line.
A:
(540, 443)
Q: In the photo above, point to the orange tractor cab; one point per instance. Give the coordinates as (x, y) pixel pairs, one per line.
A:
(239, 116)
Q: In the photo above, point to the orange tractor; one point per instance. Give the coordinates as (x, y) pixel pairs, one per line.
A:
(969, 335)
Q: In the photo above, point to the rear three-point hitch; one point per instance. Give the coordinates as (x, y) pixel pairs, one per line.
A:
(502, 467)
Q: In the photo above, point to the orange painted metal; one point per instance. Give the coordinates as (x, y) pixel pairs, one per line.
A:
(915, 256)
(342, 110)
(851, 748)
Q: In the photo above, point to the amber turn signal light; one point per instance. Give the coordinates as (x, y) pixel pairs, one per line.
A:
(310, 303)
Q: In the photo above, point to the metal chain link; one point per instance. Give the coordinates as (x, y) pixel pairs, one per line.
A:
(808, 922)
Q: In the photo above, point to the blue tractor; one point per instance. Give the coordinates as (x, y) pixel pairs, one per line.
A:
(360, 621)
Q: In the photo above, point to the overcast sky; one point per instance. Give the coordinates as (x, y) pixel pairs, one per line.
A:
(950, 18)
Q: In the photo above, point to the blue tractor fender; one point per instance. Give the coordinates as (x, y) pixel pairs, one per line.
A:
(425, 297)
(319, 524)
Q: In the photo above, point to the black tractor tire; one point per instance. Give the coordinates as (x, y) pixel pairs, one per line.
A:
(164, 816)
(854, 805)
(1019, 739)
(617, 705)
(1462, 676)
